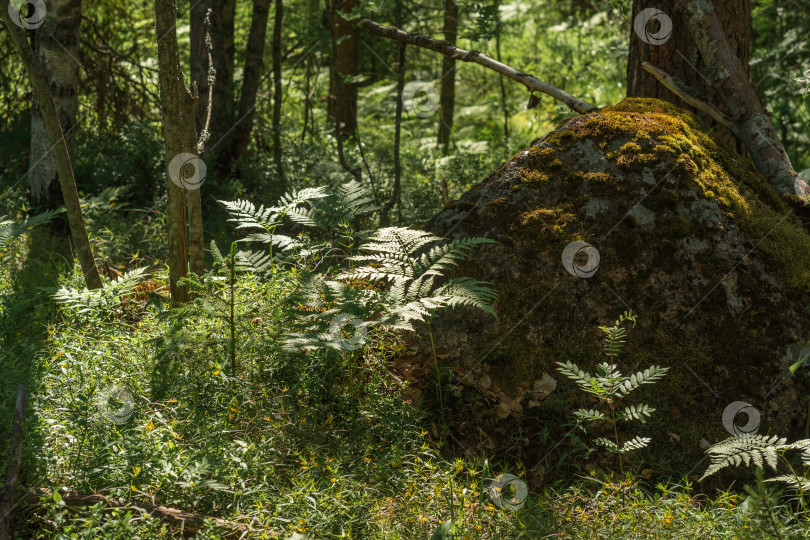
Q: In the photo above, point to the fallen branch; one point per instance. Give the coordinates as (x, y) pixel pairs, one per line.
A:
(683, 91)
(753, 124)
(13, 470)
(448, 49)
(189, 524)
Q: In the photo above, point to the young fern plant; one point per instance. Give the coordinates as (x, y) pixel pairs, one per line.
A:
(762, 450)
(611, 387)
(413, 265)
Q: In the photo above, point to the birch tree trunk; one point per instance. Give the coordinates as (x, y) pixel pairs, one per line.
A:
(56, 43)
(59, 149)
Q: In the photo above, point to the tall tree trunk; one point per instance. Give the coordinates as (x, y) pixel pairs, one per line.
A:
(254, 65)
(58, 146)
(277, 92)
(447, 94)
(56, 43)
(396, 194)
(342, 101)
(175, 100)
(223, 113)
(679, 55)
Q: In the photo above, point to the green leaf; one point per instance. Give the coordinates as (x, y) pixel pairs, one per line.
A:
(56, 497)
(446, 531)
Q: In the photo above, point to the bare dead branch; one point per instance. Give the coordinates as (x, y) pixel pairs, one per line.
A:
(477, 57)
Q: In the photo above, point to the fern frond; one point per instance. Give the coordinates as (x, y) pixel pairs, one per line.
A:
(9, 230)
(635, 443)
(635, 412)
(758, 449)
(589, 415)
(797, 483)
(583, 379)
(648, 376)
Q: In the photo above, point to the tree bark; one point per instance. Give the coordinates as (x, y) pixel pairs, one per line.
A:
(174, 104)
(447, 93)
(680, 57)
(61, 155)
(342, 101)
(728, 75)
(277, 91)
(56, 43)
(254, 65)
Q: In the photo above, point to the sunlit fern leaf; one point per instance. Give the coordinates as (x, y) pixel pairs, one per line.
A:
(85, 300)
(589, 415)
(582, 378)
(795, 482)
(606, 443)
(758, 449)
(636, 443)
(635, 412)
(10, 230)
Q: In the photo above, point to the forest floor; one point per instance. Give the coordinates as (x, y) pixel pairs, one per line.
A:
(142, 405)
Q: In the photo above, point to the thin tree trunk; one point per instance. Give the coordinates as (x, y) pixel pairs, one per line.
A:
(342, 101)
(447, 93)
(254, 65)
(61, 155)
(396, 193)
(174, 99)
(500, 79)
(277, 91)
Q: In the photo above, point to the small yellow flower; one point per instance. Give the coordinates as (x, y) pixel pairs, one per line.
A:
(334, 480)
(216, 373)
(150, 426)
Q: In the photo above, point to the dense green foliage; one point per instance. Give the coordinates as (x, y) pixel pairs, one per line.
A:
(254, 403)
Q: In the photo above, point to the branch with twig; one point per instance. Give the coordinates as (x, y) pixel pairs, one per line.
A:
(685, 92)
(532, 83)
(190, 524)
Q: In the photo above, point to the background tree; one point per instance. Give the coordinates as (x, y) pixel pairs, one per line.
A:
(342, 99)
(56, 43)
(680, 56)
(447, 94)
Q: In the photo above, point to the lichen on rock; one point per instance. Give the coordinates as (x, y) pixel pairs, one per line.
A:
(690, 237)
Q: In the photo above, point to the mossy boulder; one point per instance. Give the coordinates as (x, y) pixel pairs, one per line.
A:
(689, 236)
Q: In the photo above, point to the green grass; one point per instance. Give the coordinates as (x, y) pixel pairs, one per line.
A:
(320, 443)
